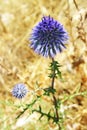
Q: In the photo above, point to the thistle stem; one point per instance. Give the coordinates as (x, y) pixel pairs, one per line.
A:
(54, 97)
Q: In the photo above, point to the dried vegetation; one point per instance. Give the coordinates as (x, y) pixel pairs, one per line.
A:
(18, 63)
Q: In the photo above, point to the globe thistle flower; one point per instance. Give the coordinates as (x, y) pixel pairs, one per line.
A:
(48, 37)
(19, 90)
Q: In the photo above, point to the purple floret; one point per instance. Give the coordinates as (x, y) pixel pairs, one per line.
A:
(48, 37)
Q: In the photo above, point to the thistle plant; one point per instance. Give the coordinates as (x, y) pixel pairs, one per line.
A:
(48, 38)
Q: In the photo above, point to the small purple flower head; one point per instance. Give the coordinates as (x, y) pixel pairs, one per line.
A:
(19, 90)
(48, 37)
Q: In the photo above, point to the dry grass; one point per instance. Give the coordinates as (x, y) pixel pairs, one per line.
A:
(18, 63)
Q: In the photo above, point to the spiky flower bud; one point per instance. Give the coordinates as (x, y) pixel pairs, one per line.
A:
(19, 90)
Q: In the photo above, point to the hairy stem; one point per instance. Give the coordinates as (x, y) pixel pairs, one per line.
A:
(54, 97)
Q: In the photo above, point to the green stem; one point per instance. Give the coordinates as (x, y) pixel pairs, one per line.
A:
(54, 97)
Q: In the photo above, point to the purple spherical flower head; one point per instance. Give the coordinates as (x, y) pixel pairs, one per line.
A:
(19, 90)
(48, 37)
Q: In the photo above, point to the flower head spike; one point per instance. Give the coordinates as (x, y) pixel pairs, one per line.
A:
(48, 37)
(19, 90)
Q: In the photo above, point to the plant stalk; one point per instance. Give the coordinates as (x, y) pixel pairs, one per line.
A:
(54, 97)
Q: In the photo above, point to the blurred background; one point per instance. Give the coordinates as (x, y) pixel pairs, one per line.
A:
(18, 63)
